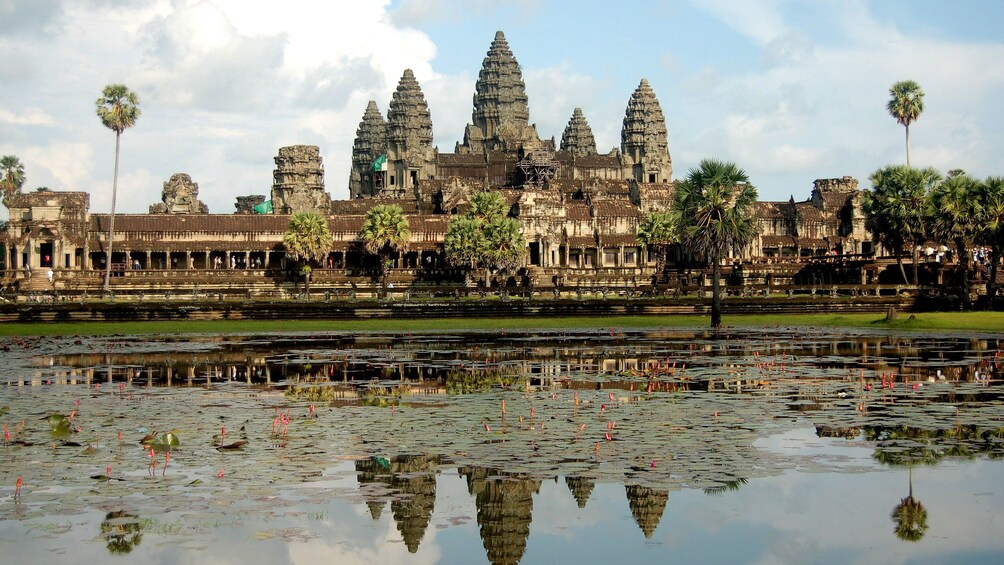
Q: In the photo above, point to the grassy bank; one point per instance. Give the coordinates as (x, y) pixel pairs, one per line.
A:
(953, 321)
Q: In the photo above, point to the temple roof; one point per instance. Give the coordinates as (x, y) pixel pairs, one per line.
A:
(578, 136)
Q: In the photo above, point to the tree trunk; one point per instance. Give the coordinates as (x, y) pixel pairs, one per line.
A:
(963, 265)
(383, 275)
(916, 265)
(992, 283)
(111, 217)
(716, 292)
(908, 146)
(902, 269)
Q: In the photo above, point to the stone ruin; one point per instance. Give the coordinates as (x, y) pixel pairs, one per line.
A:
(180, 196)
(246, 204)
(299, 181)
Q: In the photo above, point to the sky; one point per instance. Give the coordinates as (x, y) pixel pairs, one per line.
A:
(790, 91)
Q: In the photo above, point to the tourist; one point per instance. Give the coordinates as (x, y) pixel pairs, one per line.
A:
(27, 271)
(48, 275)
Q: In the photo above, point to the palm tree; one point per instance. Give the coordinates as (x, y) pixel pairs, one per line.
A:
(992, 232)
(385, 230)
(308, 239)
(957, 214)
(713, 208)
(910, 517)
(11, 176)
(906, 104)
(658, 231)
(896, 210)
(118, 109)
(485, 237)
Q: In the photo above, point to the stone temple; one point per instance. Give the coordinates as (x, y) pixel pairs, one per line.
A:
(578, 209)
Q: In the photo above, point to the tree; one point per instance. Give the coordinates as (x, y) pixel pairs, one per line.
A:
(906, 104)
(714, 209)
(485, 237)
(307, 239)
(658, 231)
(385, 230)
(910, 517)
(11, 176)
(956, 216)
(118, 109)
(992, 227)
(896, 210)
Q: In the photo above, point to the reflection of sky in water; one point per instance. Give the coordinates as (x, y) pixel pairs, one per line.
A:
(799, 497)
(797, 517)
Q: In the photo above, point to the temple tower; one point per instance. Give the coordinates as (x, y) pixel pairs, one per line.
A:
(578, 136)
(410, 155)
(299, 181)
(644, 141)
(366, 177)
(180, 196)
(500, 121)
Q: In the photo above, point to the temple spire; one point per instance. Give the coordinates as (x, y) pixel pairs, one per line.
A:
(644, 140)
(578, 136)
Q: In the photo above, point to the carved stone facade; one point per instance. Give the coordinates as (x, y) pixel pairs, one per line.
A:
(299, 181)
(180, 196)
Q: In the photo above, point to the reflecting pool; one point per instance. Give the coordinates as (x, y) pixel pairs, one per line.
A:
(773, 445)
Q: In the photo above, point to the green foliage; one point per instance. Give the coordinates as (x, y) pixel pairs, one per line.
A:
(464, 381)
(896, 209)
(910, 518)
(385, 228)
(118, 107)
(308, 237)
(714, 211)
(313, 393)
(11, 176)
(162, 442)
(485, 236)
(658, 230)
(905, 104)
(957, 212)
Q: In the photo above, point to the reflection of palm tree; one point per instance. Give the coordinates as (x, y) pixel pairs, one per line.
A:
(122, 531)
(910, 517)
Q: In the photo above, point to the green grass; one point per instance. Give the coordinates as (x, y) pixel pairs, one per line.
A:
(935, 321)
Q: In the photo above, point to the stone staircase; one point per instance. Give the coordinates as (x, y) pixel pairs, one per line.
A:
(38, 282)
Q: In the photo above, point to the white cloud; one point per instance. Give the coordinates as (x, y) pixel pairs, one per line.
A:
(30, 116)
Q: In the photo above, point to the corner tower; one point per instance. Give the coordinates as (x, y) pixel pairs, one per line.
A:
(644, 141)
(370, 145)
(410, 155)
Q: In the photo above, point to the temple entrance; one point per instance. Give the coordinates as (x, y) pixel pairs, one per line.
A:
(45, 254)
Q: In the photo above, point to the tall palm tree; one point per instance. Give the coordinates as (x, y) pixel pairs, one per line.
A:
(385, 229)
(118, 109)
(308, 239)
(910, 517)
(658, 231)
(714, 209)
(906, 104)
(957, 214)
(11, 176)
(992, 232)
(896, 210)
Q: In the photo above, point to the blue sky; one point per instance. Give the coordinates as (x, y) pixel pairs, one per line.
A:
(789, 90)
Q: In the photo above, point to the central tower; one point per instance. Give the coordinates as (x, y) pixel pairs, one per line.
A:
(501, 117)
